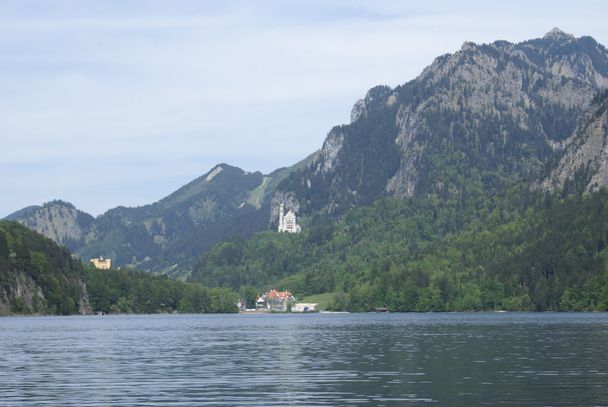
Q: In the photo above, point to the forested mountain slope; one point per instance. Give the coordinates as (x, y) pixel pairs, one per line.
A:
(474, 125)
(584, 164)
(493, 112)
(518, 251)
(38, 276)
(169, 235)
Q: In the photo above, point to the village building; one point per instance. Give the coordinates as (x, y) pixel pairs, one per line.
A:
(273, 300)
(288, 221)
(101, 263)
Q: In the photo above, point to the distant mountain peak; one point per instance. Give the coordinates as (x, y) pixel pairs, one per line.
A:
(58, 220)
(468, 45)
(215, 171)
(58, 202)
(28, 211)
(556, 33)
(514, 102)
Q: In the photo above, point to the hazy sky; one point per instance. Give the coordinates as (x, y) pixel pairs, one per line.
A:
(107, 103)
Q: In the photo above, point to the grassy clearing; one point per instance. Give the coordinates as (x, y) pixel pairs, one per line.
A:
(322, 299)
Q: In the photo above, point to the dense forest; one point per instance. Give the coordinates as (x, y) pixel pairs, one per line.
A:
(479, 233)
(517, 251)
(466, 188)
(37, 276)
(136, 292)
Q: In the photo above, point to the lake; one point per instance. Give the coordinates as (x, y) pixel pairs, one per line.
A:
(452, 359)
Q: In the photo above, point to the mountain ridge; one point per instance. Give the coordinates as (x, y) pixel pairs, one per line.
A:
(472, 123)
(584, 164)
(499, 107)
(223, 202)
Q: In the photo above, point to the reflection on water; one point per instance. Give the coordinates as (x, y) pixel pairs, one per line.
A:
(319, 359)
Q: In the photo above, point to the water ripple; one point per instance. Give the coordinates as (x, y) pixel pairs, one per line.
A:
(305, 360)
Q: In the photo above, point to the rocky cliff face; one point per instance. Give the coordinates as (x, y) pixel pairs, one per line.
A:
(37, 276)
(22, 295)
(472, 122)
(166, 236)
(57, 220)
(584, 164)
(497, 111)
(163, 236)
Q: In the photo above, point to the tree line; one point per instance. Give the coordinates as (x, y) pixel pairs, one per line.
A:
(518, 250)
(37, 276)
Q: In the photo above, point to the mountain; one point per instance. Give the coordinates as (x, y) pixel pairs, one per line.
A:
(521, 251)
(470, 126)
(169, 235)
(489, 113)
(163, 236)
(57, 220)
(429, 199)
(38, 276)
(584, 164)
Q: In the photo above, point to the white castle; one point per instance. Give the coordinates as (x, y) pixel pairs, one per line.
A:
(287, 222)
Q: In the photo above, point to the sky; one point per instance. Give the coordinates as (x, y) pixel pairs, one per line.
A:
(120, 102)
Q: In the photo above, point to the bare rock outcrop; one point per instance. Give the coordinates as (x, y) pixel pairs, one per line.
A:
(585, 160)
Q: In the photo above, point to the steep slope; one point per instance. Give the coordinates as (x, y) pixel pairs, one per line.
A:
(520, 251)
(57, 220)
(169, 235)
(38, 276)
(491, 113)
(463, 143)
(473, 123)
(584, 165)
(163, 236)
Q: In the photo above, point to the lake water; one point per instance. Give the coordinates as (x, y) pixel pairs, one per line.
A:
(514, 359)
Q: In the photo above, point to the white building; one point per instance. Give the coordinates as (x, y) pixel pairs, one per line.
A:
(304, 307)
(288, 222)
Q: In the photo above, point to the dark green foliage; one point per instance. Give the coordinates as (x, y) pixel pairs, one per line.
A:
(167, 235)
(516, 251)
(249, 294)
(4, 251)
(369, 158)
(449, 129)
(36, 263)
(31, 264)
(471, 235)
(264, 258)
(471, 158)
(130, 291)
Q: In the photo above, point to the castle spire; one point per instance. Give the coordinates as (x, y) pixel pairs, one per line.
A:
(281, 209)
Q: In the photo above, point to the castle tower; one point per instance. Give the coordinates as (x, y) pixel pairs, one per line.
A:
(281, 209)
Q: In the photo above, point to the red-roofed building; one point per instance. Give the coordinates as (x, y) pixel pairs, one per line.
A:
(275, 300)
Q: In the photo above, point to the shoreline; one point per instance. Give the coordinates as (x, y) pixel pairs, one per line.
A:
(304, 313)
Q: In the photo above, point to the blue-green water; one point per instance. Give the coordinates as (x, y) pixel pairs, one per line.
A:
(319, 359)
